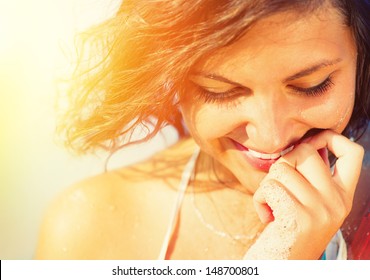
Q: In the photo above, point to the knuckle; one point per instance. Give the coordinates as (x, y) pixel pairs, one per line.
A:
(326, 217)
(279, 167)
(359, 149)
(280, 171)
(340, 211)
(332, 213)
(356, 148)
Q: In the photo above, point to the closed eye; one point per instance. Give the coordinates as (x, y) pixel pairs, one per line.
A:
(317, 90)
(211, 96)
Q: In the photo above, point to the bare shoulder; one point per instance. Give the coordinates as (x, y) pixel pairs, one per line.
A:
(116, 214)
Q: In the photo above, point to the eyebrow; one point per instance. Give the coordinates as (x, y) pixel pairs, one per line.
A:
(300, 74)
(312, 69)
(217, 78)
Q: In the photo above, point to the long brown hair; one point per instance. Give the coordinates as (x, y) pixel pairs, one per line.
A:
(131, 66)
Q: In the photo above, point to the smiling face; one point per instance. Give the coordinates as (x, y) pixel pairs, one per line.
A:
(259, 96)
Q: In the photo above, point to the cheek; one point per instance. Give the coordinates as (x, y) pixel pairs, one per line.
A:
(334, 113)
(206, 122)
(344, 115)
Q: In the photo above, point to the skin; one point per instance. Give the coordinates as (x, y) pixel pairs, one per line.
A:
(114, 217)
(267, 116)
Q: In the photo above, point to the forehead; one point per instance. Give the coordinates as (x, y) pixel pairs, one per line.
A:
(285, 39)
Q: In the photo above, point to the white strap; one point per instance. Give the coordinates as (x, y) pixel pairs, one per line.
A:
(186, 175)
(337, 248)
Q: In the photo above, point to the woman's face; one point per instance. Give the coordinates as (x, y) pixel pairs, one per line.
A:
(252, 101)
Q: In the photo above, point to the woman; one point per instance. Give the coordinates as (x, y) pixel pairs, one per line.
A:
(265, 91)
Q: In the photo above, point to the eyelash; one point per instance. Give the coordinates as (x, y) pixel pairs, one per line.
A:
(219, 97)
(213, 97)
(317, 90)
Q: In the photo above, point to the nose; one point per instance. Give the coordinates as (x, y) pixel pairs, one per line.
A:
(269, 127)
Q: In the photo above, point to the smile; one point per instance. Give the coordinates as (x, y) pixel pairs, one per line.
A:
(261, 161)
(269, 156)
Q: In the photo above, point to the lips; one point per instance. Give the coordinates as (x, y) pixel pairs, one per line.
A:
(261, 161)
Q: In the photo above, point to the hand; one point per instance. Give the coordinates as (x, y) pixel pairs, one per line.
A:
(313, 200)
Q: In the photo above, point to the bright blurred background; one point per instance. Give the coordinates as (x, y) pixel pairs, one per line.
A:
(36, 47)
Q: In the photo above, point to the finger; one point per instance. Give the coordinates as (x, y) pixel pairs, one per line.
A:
(278, 199)
(309, 163)
(294, 182)
(349, 157)
(263, 209)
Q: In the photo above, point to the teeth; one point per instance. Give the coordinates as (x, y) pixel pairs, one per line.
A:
(287, 150)
(270, 156)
